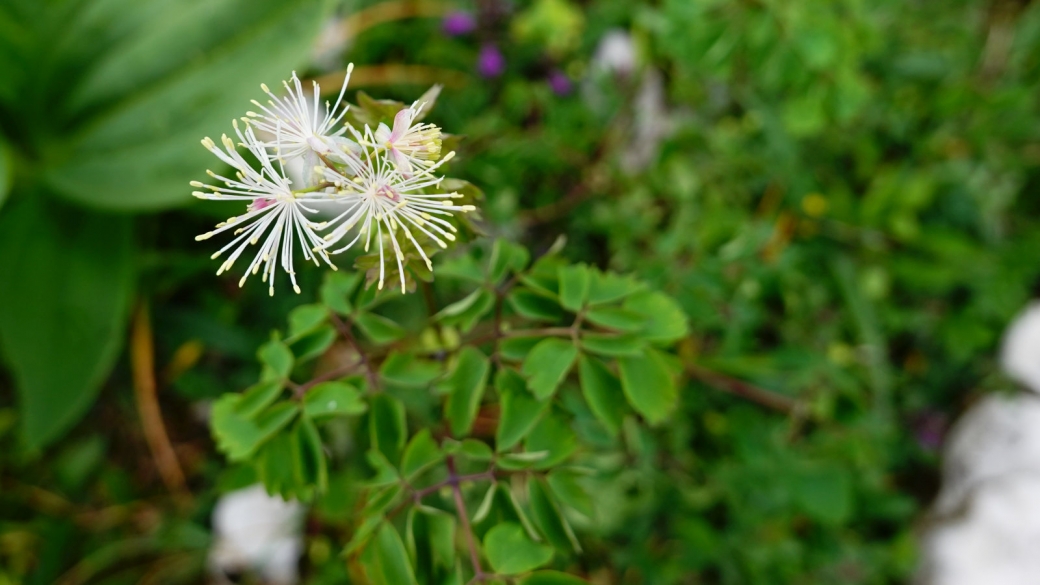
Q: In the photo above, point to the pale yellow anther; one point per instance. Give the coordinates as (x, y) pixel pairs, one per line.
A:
(197, 184)
(208, 143)
(296, 288)
(264, 87)
(450, 237)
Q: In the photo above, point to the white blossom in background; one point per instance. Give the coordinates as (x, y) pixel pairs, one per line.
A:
(257, 533)
(379, 200)
(274, 213)
(1020, 354)
(986, 519)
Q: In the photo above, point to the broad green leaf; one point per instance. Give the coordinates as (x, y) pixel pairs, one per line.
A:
(178, 75)
(468, 311)
(519, 461)
(602, 392)
(551, 578)
(612, 345)
(649, 386)
(568, 491)
(363, 534)
(258, 397)
(519, 410)
(421, 453)
(386, 474)
(515, 349)
(825, 493)
(440, 528)
(277, 357)
(387, 427)
(574, 286)
(305, 319)
(510, 551)
(239, 436)
(378, 328)
(667, 321)
(547, 365)
(554, 436)
(616, 318)
(329, 399)
(505, 257)
(476, 450)
(314, 344)
(336, 290)
(311, 469)
(276, 463)
(607, 287)
(404, 369)
(68, 277)
(534, 306)
(547, 516)
(382, 499)
(6, 171)
(387, 558)
(467, 384)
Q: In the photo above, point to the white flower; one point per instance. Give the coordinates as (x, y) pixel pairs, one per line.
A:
(409, 145)
(1020, 352)
(384, 202)
(294, 121)
(259, 533)
(272, 209)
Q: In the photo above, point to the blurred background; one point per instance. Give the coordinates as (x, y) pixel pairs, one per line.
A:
(841, 194)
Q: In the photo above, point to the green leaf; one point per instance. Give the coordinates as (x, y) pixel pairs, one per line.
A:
(616, 318)
(466, 384)
(468, 311)
(258, 397)
(553, 436)
(305, 319)
(607, 287)
(510, 551)
(336, 290)
(612, 345)
(329, 399)
(825, 493)
(667, 321)
(440, 527)
(574, 286)
(378, 328)
(386, 474)
(551, 578)
(404, 369)
(649, 386)
(515, 349)
(476, 450)
(547, 365)
(534, 306)
(387, 559)
(277, 357)
(603, 393)
(421, 454)
(311, 469)
(6, 171)
(565, 486)
(505, 257)
(239, 436)
(387, 427)
(314, 344)
(68, 277)
(178, 75)
(547, 517)
(485, 504)
(519, 411)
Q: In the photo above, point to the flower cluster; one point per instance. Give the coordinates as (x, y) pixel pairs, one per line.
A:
(377, 185)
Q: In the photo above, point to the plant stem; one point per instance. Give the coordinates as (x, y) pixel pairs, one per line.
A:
(460, 507)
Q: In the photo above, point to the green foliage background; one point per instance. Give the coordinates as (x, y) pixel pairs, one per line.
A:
(842, 203)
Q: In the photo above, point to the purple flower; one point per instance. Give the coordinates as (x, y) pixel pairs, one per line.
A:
(560, 83)
(490, 62)
(458, 24)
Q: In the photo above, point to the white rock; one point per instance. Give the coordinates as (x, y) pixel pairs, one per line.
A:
(257, 533)
(1020, 354)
